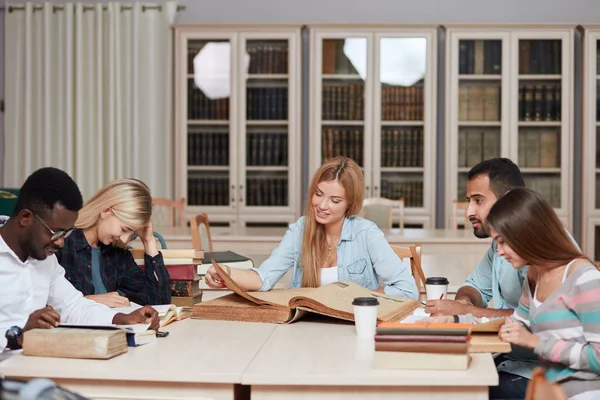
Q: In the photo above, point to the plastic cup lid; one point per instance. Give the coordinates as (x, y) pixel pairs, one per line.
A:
(365, 301)
(436, 280)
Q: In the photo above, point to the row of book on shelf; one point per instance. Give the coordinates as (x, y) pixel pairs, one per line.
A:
(540, 102)
(480, 57)
(394, 188)
(547, 184)
(479, 102)
(259, 191)
(212, 148)
(540, 56)
(402, 103)
(400, 147)
(343, 102)
(265, 58)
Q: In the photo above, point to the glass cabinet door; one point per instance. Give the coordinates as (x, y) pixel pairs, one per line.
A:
(539, 115)
(478, 105)
(267, 124)
(208, 123)
(343, 77)
(400, 143)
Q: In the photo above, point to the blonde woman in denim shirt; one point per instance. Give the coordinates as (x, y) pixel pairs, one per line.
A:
(330, 243)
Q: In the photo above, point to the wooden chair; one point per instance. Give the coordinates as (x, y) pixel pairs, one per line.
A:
(414, 254)
(540, 389)
(201, 239)
(381, 211)
(172, 207)
(462, 207)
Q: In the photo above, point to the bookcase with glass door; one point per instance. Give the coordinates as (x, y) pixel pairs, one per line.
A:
(237, 125)
(372, 99)
(591, 145)
(509, 94)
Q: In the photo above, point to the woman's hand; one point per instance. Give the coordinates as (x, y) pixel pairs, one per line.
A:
(146, 235)
(112, 299)
(213, 279)
(516, 333)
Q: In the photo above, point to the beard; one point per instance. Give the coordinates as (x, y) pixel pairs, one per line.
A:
(480, 232)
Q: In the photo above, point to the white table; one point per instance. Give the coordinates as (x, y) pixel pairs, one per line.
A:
(198, 360)
(308, 360)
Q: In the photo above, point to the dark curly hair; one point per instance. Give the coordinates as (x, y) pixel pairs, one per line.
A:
(47, 187)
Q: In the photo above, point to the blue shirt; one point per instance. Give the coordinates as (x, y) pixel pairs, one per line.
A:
(96, 274)
(363, 255)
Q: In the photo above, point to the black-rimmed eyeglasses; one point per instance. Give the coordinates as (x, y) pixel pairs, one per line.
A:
(55, 235)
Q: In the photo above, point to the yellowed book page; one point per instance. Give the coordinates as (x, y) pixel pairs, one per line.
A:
(491, 326)
(336, 299)
(281, 297)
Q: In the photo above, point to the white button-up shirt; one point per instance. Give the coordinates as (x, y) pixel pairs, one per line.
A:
(28, 286)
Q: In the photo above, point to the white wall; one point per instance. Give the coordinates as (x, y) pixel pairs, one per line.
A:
(437, 12)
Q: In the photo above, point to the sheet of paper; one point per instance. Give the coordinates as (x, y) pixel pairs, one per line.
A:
(162, 309)
(127, 310)
(418, 315)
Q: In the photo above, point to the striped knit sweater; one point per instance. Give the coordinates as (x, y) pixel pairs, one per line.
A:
(568, 327)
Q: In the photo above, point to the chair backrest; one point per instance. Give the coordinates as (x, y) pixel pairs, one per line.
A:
(166, 212)
(414, 254)
(460, 207)
(201, 239)
(539, 388)
(381, 211)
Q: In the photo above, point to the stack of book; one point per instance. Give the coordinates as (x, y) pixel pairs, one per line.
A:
(229, 258)
(423, 346)
(182, 265)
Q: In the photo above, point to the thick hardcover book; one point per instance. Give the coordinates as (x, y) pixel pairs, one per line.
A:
(285, 306)
(229, 258)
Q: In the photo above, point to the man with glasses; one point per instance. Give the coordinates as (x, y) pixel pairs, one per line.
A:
(34, 291)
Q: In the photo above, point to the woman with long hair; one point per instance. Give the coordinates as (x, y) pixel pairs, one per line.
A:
(558, 316)
(330, 243)
(95, 258)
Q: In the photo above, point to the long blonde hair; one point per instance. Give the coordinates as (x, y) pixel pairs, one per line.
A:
(129, 200)
(314, 244)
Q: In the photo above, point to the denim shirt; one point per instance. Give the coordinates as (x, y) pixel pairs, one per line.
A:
(363, 255)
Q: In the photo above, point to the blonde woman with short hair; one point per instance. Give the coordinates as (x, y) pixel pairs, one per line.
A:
(330, 243)
(94, 257)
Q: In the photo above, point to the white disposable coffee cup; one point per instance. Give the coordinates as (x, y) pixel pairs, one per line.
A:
(365, 316)
(437, 287)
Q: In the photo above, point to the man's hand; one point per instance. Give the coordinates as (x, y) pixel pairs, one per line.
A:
(45, 318)
(446, 307)
(112, 299)
(144, 315)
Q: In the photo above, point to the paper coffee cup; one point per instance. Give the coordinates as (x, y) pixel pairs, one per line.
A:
(437, 287)
(365, 316)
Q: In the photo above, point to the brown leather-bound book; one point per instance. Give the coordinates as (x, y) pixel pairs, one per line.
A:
(421, 338)
(424, 347)
(285, 306)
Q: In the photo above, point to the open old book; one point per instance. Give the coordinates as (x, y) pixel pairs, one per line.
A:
(285, 306)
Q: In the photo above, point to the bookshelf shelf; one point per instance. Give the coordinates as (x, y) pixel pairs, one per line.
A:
(403, 169)
(464, 77)
(267, 76)
(351, 77)
(264, 122)
(343, 123)
(385, 125)
(402, 123)
(252, 130)
(207, 122)
(530, 170)
(480, 123)
(540, 123)
(524, 113)
(540, 77)
(208, 168)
